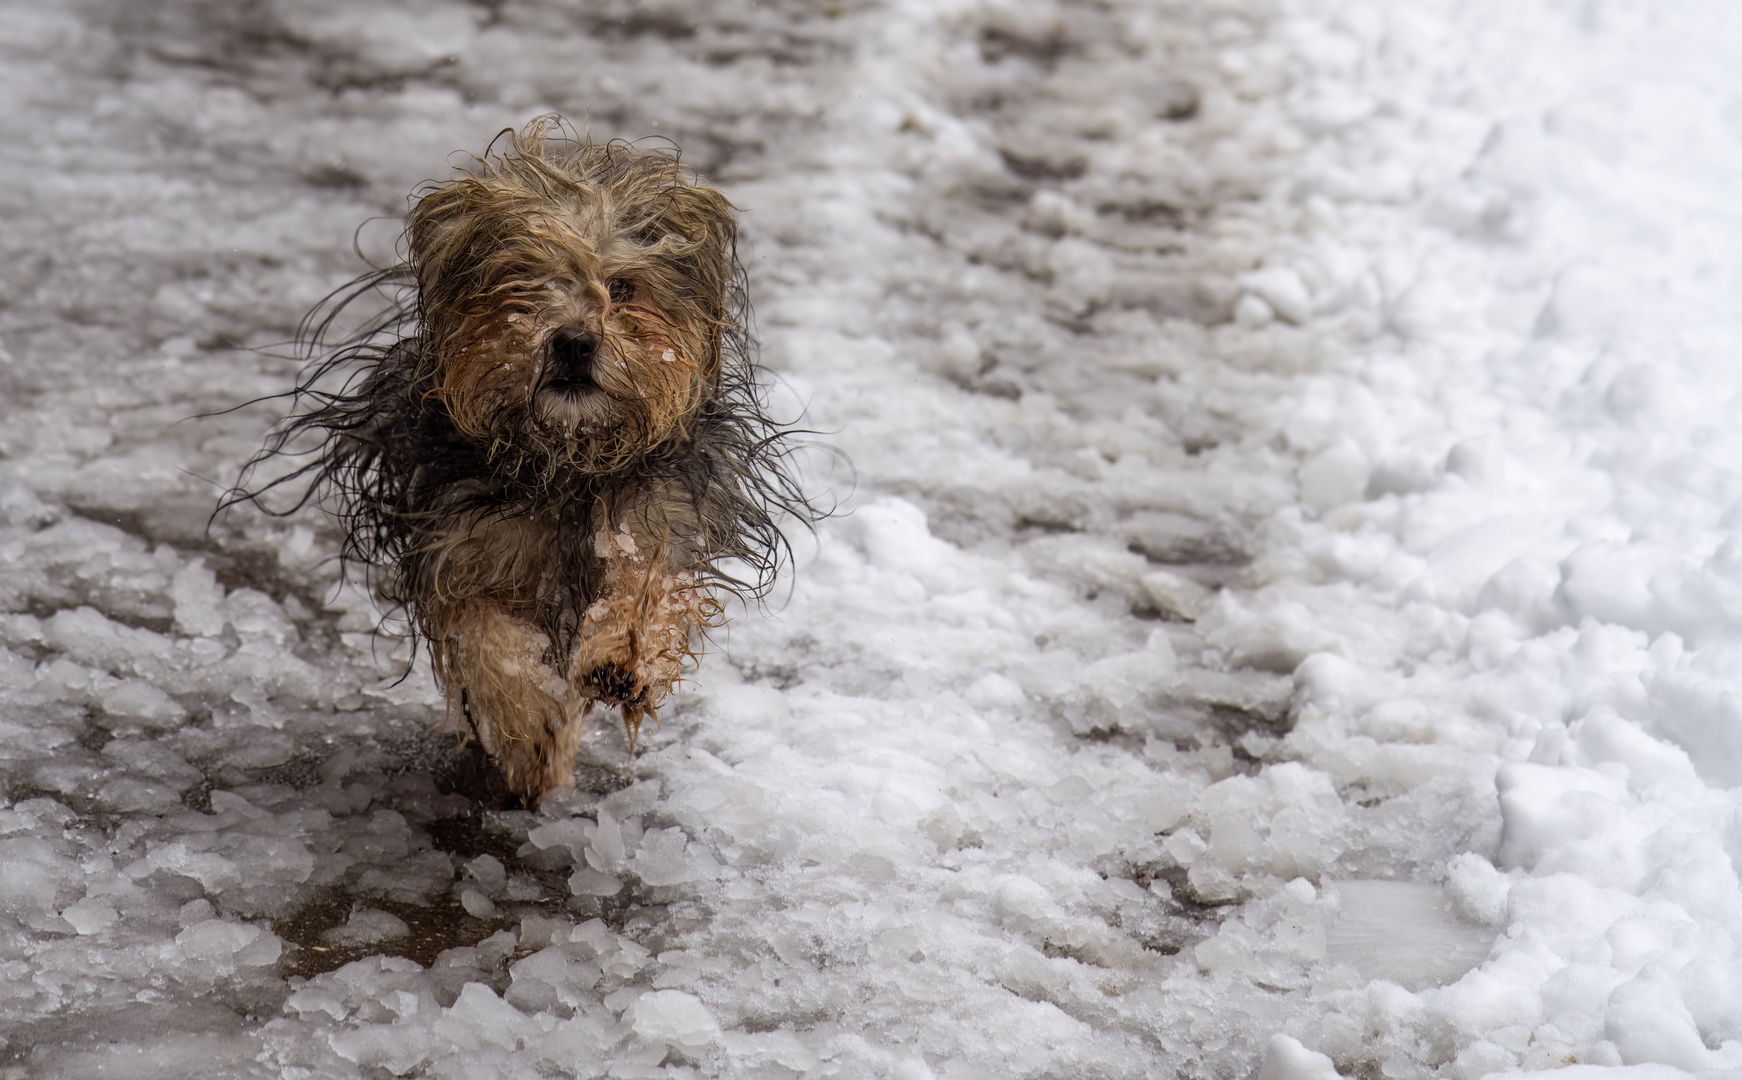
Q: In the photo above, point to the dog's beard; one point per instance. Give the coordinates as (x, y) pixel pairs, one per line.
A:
(579, 385)
(577, 410)
(608, 403)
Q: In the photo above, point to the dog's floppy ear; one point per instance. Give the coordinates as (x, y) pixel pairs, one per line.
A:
(435, 230)
(447, 234)
(694, 229)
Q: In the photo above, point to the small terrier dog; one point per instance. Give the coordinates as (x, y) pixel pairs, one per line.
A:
(551, 452)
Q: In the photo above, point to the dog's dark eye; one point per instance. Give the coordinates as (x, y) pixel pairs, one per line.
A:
(621, 290)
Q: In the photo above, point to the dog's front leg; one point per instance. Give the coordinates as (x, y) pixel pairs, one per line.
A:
(492, 665)
(637, 634)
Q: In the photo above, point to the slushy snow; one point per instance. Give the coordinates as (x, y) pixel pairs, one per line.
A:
(1284, 617)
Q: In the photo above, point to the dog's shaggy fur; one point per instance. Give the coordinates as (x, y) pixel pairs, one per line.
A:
(552, 449)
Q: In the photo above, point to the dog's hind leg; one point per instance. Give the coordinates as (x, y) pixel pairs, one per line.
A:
(514, 699)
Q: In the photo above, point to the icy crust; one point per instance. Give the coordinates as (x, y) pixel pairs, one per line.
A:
(1286, 623)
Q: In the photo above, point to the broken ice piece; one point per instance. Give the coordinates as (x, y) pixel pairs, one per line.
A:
(593, 883)
(476, 903)
(90, 916)
(366, 927)
(1176, 595)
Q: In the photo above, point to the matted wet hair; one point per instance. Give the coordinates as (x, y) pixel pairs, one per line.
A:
(392, 432)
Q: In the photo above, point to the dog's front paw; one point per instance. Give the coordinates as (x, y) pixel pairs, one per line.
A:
(613, 684)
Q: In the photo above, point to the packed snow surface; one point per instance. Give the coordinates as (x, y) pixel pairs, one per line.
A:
(1284, 616)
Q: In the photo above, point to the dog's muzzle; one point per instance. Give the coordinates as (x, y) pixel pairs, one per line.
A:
(569, 370)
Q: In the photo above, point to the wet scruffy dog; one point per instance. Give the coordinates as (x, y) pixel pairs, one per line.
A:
(552, 452)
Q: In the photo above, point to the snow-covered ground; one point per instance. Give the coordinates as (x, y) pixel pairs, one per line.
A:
(1286, 612)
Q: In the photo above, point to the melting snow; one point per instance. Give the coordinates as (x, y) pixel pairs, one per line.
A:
(1285, 618)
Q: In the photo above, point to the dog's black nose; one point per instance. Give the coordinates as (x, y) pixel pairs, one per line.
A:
(571, 355)
(570, 371)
